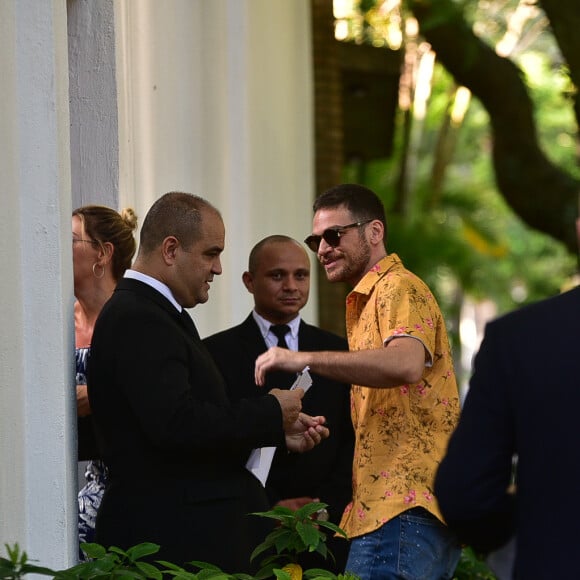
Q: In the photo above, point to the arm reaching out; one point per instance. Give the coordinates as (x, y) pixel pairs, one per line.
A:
(400, 361)
(282, 359)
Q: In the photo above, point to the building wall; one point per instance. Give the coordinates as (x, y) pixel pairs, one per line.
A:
(215, 98)
(212, 97)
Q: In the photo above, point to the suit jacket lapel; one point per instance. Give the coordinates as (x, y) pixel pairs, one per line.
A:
(186, 321)
(183, 318)
(255, 345)
(308, 337)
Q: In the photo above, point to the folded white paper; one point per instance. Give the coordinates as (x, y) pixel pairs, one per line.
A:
(261, 458)
(303, 380)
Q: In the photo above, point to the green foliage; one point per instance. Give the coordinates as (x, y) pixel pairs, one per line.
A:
(462, 238)
(297, 531)
(17, 565)
(472, 567)
(301, 533)
(466, 232)
(114, 562)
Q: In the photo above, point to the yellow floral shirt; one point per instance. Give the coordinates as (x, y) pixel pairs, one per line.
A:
(401, 432)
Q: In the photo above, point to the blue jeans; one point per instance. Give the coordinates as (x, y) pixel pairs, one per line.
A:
(413, 546)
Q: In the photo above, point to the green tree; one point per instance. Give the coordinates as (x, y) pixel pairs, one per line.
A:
(451, 156)
(542, 193)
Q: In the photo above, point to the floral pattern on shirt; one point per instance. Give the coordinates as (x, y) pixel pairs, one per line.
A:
(401, 432)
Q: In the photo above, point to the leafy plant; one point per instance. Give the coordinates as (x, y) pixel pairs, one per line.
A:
(298, 531)
(17, 565)
(472, 566)
(114, 562)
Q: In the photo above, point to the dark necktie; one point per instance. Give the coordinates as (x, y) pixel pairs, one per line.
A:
(280, 331)
(280, 379)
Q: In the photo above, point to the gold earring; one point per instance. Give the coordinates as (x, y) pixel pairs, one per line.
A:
(102, 270)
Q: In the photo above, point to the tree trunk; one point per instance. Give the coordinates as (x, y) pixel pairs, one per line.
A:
(542, 194)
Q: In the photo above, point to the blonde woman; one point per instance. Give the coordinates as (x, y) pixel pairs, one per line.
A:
(103, 247)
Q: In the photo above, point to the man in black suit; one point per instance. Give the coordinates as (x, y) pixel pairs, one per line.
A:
(278, 277)
(521, 410)
(175, 446)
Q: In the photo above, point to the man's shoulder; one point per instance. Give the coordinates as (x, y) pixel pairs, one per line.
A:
(562, 309)
(223, 335)
(133, 307)
(132, 295)
(228, 335)
(390, 275)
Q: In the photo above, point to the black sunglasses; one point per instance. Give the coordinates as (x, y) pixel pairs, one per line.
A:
(331, 235)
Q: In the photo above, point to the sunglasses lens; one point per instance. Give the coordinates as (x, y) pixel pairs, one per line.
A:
(331, 237)
(313, 242)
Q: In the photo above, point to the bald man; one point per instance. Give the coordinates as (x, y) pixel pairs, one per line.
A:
(278, 277)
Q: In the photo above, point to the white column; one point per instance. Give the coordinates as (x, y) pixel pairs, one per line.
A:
(94, 140)
(215, 98)
(94, 137)
(37, 436)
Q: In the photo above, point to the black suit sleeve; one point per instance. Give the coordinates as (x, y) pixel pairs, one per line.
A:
(472, 481)
(167, 390)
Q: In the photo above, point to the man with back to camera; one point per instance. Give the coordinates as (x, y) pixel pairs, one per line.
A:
(174, 445)
(522, 402)
(405, 400)
(278, 277)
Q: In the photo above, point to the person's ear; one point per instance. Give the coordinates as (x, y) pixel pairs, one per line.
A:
(377, 232)
(106, 250)
(169, 248)
(248, 281)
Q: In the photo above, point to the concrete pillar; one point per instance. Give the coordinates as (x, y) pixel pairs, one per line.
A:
(37, 435)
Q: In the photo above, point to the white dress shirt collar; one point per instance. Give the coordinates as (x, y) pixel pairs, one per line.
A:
(270, 338)
(155, 284)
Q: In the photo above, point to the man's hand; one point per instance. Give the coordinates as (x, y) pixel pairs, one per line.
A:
(83, 406)
(281, 359)
(290, 403)
(306, 432)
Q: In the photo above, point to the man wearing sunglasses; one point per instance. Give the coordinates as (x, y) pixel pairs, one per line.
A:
(404, 395)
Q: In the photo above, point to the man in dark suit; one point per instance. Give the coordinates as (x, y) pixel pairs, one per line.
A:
(521, 409)
(175, 446)
(278, 277)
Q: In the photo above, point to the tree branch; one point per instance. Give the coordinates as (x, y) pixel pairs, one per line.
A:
(542, 194)
(564, 16)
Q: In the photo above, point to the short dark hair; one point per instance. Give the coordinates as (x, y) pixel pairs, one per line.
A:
(362, 203)
(175, 214)
(105, 225)
(273, 239)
